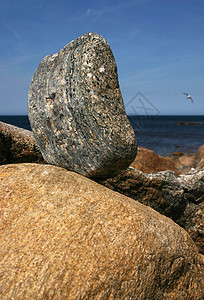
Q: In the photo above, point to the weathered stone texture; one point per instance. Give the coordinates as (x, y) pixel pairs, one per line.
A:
(18, 145)
(64, 236)
(180, 198)
(76, 110)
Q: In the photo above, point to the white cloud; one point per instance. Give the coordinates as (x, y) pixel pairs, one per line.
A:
(96, 13)
(134, 33)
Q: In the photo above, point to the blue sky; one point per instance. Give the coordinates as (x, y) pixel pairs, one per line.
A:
(158, 47)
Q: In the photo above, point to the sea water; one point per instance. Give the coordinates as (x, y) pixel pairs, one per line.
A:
(163, 134)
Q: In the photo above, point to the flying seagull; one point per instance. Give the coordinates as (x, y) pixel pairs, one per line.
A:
(188, 97)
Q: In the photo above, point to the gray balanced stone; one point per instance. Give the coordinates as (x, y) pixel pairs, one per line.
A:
(76, 110)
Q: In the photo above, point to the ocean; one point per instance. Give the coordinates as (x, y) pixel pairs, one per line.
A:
(163, 134)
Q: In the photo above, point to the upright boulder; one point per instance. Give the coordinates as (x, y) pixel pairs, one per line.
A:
(76, 110)
(63, 236)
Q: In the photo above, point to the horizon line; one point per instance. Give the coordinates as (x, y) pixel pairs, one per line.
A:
(129, 115)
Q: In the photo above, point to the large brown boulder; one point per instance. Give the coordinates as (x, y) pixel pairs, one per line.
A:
(148, 161)
(180, 198)
(64, 236)
(18, 145)
(76, 110)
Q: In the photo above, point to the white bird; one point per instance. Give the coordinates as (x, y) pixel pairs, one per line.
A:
(188, 97)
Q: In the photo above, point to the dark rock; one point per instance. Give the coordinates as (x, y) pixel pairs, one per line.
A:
(189, 123)
(63, 236)
(180, 198)
(76, 110)
(195, 123)
(180, 123)
(178, 154)
(18, 145)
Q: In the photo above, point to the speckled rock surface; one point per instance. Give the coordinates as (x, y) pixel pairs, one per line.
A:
(63, 236)
(76, 110)
(18, 145)
(179, 198)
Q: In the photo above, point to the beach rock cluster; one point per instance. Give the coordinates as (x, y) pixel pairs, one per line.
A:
(169, 197)
(179, 198)
(76, 110)
(148, 161)
(63, 236)
(18, 145)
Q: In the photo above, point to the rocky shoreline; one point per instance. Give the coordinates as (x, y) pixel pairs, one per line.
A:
(180, 163)
(19, 145)
(81, 218)
(156, 181)
(177, 196)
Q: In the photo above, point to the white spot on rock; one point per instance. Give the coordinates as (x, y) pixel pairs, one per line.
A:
(101, 69)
